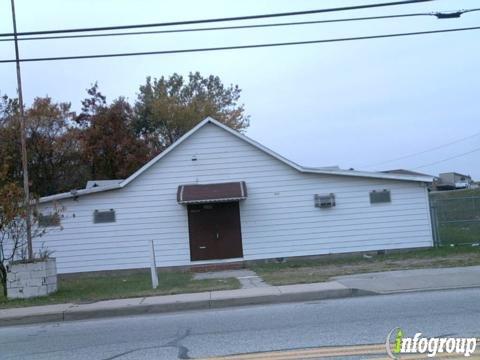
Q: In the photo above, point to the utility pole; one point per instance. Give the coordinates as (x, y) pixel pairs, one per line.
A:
(26, 188)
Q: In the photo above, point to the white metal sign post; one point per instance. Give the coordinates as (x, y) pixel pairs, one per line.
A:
(153, 266)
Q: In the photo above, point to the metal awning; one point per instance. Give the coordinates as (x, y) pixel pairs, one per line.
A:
(205, 193)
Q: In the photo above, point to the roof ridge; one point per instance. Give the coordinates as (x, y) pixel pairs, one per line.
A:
(207, 120)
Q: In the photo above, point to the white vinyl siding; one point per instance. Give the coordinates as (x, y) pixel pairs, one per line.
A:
(278, 218)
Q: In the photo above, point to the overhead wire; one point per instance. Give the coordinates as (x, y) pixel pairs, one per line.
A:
(225, 19)
(217, 28)
(447, 159)
(34, 36)
(424, 151)
(238, 47)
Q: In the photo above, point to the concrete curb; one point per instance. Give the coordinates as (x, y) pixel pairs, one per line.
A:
(31, 319)
(416, 290)
(133, 310)
(380, 283)
(175, 303)
(287, 298)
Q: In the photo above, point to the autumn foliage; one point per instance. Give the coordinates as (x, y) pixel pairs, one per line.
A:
(11, 225)
(109, 140)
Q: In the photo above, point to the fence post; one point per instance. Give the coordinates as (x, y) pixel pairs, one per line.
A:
(433, 215)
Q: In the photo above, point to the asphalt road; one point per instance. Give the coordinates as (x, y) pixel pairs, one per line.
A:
(198, 334)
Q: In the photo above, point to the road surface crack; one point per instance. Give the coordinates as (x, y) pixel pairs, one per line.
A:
(175, 343)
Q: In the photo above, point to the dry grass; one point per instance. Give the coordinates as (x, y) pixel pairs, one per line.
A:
(91, 288)
(308, 271)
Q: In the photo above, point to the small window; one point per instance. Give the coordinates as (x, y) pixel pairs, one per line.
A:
(50, 220)
(101, 217)
(324, 201)
(382, 196)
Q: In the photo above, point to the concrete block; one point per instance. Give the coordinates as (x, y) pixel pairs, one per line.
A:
(19, 267)
(34, 282)
(32, 279)
(12, 282)
(37, 274)
(36, 266)
(29, 292)
(14, 293)
(51, 271)
(42, 291)
(16, 274)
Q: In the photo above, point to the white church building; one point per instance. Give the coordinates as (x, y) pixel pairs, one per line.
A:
(216, 196)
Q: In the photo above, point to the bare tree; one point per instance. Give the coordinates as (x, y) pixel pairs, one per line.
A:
(13, 227)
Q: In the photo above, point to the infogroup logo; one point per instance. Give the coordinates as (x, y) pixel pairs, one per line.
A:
(397, 343)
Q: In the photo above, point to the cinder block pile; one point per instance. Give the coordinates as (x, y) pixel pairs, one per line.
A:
(28, 280)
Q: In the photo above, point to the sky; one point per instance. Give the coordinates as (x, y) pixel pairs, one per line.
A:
(352, 104)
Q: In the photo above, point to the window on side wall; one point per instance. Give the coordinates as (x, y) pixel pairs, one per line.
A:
(380, 196)
(104, 216)
(50, 220)
(324, 201)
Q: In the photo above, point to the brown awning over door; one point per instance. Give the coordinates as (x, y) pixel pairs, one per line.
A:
(196, 194)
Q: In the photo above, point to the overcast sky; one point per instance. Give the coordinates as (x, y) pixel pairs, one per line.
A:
(352, 104)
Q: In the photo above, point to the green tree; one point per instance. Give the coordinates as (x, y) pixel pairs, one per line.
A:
(167, 108)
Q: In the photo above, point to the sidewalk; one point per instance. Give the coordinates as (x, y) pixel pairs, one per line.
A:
(171, 303)
(401, 281)
(341, 287)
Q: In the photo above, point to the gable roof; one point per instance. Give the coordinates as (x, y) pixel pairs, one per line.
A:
(209, 120)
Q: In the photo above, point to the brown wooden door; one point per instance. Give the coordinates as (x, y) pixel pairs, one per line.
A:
(215, 231)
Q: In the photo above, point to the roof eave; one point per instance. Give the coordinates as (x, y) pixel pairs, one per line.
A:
(367, 174)
(74, 194)
(321, 171)
(376, 175)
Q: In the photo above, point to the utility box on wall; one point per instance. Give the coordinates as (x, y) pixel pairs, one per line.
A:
(28, 280)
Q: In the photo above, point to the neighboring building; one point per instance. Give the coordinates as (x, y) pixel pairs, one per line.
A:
(410, 172)
(453, 181)
(216, 196)
(405, 172)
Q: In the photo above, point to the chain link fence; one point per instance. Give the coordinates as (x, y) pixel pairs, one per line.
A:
(455, 218)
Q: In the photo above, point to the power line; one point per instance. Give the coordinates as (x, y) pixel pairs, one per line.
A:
(235, 18)
(293, 23)
(218, 28)
(447, 159)
(424, 151)
(239, 47)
